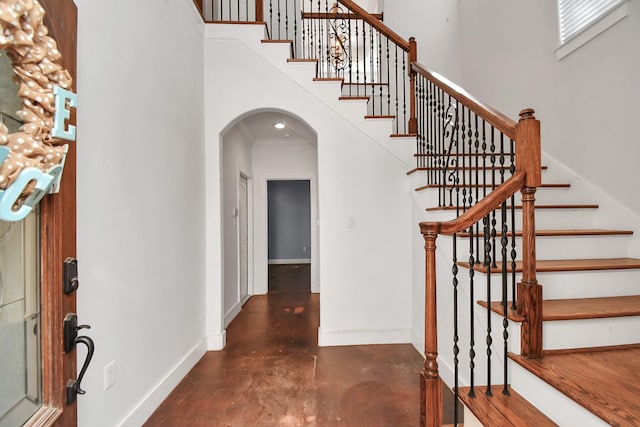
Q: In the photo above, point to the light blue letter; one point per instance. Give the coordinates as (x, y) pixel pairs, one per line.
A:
(62, 97)
(4, 152)
(11, 194)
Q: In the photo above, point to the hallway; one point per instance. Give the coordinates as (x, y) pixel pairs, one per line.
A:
(272, 373)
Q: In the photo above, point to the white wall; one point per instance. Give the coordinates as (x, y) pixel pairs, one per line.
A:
(436, 27)
(587, 102)
(365, 271)
(282, 159)
(236, 155)
(140, 202)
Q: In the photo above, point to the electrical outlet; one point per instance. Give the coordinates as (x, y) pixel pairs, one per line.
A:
(109, 375)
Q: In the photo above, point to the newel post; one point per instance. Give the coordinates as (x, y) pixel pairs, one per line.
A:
(529, 300)
(413, 57)
(430, 385)
(259, 11)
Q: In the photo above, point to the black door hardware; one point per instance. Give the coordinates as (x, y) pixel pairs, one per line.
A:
(70, 283)
(71, 338)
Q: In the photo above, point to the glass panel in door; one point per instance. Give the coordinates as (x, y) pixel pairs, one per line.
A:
(20, 354)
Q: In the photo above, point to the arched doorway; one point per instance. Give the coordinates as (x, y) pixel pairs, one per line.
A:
(258, 148)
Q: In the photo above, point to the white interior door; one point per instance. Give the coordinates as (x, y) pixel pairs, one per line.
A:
(243, 237)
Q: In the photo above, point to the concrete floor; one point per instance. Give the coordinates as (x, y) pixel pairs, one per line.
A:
(272, 373)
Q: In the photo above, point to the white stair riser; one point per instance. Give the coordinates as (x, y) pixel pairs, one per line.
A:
(555, 405)
(590, 332)
(561, 284)
(562, 247)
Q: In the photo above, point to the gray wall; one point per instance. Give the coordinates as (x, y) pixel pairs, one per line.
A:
(289, 220)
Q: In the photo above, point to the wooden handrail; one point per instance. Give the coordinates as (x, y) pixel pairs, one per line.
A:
(501, 122)
(480, 209)
(337, 15)
(375, 23)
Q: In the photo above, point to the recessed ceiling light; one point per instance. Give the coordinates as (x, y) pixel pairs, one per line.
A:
(279, 125)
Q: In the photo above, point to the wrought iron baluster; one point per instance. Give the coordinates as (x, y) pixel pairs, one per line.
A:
(319, 43)
(462, 147)
(279, 21)
(350, 60)
(388, 77)
(372, 70)
(513, 236)
(365, 25)
(303, 32)
(271, 17)
(286, 19)
(357, 59)
(456, 338)
(505, 320)
(396, 87)
(476, 153)
(295, 27)
(380, 80)
(488, 265)
(404, 92)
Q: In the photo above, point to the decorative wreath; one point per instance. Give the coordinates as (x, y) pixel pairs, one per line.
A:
(35, 56)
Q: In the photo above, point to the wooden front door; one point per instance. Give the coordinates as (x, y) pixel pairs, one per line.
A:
(38, 369)
(58, 236)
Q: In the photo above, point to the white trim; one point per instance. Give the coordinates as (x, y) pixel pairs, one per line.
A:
(264, 178)
(363, 337)
(290, 261)
(217, 342)
(165, 386)
(593, 30)
(232, 313)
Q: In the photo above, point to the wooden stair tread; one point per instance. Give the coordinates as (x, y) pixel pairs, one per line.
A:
(587, 206)
(352, 98)
(579, 308)
(605, 382)
(563, 233)
(432, 186)
(465, 168)
(555, 265)
(403, 135)
(487, 154)
(379, 117)
(500, 410)
(302, 60)
(327, 79)
(365, 84)
(276, 41)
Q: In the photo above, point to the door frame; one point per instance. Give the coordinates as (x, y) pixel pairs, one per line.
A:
(249, 195)
(263, 270)
(58, 241)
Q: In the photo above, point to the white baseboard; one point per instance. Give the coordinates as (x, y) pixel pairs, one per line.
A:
(159, 393)
(217, 342)
(363, 337)
(290, 261)
(232, 313)
(417, 341)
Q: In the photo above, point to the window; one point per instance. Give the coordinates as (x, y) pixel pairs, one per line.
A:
(582, 20)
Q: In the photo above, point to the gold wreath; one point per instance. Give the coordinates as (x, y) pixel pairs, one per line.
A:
(35, 59)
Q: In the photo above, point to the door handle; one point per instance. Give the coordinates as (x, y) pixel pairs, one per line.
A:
(71, 339)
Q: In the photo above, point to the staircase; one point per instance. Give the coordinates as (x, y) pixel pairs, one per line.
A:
(590, 368)
(590, 328)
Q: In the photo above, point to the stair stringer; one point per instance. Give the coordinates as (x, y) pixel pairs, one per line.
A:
(365, 271)
(327, 92)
